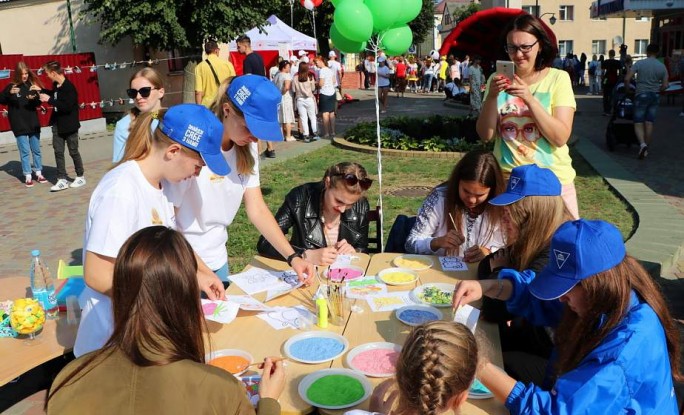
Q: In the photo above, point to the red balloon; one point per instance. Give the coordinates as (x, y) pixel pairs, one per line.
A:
(310, 4)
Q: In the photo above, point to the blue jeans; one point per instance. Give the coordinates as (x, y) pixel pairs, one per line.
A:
(29, 144)
(223, 272)
(427, 81)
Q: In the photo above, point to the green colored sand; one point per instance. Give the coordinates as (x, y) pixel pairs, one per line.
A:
(335, 390)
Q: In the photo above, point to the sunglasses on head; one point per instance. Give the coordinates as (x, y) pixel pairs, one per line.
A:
(352, 180)
(144, 92)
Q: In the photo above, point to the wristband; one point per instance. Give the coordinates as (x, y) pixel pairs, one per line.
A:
(294, 255)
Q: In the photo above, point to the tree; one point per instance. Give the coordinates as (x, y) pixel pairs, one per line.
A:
(464, 12)
(176, 24)
(422, 25)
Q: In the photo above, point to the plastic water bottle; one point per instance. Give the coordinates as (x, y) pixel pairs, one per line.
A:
(42, 286)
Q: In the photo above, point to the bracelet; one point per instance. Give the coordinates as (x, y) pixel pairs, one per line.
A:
(498, 293)
(294, 255)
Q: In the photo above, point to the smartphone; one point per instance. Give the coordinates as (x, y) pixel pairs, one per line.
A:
(506, 68)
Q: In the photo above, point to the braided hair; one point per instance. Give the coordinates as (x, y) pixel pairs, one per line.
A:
(438, 362)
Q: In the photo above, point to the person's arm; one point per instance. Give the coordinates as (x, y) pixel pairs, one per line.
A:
(630, 75)
(198, 97)
(120, 137)
(208, 282)
(259, 214)
(98, 272)
(287, 86)
(66, 99)
(665, 83)
(421, 239)
(489, 117)
(5, 95)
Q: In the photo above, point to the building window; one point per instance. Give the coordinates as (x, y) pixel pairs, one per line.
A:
(566, 13)
(564, 47)
(533, 10)
(640, 46)
(598, 47)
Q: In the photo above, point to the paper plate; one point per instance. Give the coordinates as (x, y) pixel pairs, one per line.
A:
(287, 347)
(229, 352)
(420, 262)
(350, 267)
(371, 346)
(384, 277)
(425, 308)
(416, 293)
(311, 378)
(479, 391)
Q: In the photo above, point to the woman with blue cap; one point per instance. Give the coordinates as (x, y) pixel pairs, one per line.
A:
(130, 197)
(616, 346)
(248, 108)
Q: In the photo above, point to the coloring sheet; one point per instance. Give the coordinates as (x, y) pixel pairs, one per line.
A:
(452, 263)
(247, 303)
(364, 287)
(290, 278)
(257, 280)
(389, 301)
(468, 316)
(288, 317)
(220, 311)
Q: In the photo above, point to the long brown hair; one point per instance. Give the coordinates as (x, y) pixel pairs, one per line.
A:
(536, 218)
(438, 361)
(155, 79)
(155, 263)
(243, 154)
(608, 295)
(19, 69)
(336, 173)
(303, 72)
(481, 167)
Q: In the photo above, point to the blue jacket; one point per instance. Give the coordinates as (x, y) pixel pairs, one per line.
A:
(628, 373)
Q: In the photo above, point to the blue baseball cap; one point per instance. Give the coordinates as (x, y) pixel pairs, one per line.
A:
(258, 99)
(195, 127)
(579, 249)
(528, 180)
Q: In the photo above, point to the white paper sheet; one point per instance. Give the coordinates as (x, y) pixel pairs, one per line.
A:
(248, 303)
(256, 280)
(220, 311)
(288, 317)
(467, 315)
(343, 260)
(452, 263)
(389, 301)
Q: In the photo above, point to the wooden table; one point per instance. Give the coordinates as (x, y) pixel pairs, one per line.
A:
(56, 338)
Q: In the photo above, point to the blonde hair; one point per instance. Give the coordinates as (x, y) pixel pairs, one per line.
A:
(438, 361)
(336, 173)
(141, 138)
(536, 218)
(155, 79)
(243, 154)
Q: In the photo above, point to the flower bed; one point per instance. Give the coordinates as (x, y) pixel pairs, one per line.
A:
(436, 133)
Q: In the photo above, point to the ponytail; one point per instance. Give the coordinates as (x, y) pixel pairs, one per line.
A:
(141, 138)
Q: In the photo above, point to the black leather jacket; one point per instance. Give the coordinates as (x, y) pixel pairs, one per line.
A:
(301, 212)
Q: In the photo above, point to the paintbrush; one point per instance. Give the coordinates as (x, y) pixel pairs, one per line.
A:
(273, 359)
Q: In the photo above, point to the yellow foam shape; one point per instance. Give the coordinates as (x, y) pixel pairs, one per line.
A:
(65, 271)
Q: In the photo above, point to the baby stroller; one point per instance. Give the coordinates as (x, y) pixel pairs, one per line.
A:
(620, 129)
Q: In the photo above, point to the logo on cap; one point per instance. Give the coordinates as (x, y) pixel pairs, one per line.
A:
(242, 94)
(561, 257)
(192, 136)
(514, 182)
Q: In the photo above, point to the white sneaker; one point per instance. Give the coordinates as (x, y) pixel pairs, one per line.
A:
(78, 182)
(62, 184)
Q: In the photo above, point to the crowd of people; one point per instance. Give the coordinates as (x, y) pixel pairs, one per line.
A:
(584, 329)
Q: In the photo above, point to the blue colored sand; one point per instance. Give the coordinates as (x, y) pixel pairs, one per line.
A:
(479, 388)
(316, 348)
(418, 316)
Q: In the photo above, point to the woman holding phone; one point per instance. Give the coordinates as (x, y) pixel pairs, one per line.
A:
(530, 114)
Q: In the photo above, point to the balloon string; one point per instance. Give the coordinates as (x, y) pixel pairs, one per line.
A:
(374, 47)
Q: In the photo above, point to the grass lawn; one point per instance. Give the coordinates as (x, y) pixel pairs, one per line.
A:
(595, 198)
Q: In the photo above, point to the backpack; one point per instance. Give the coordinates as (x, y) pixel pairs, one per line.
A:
(592, 69)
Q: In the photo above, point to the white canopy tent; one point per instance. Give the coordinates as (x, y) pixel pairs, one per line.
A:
(276, 35)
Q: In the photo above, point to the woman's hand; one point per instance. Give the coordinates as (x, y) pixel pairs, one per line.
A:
(321, 256)
(343, 247)
(272, 379)
(380, 401)
(466, 292)
(35, 87)
(211, 285)
(304, 269)
(451, 241)
(499, 259)
(519, 89)
(499, 84)
(475, 253)
(14, 90)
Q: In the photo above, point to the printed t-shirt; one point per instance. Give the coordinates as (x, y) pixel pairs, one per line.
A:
(523, 144)
(204, 78)
(328, 78)
(207, 205)
(123, 203)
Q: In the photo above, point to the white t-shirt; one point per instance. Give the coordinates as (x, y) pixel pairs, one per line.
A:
(328, 77)
(123, 203)
(336, 67)
(207, 205)
(383, 76)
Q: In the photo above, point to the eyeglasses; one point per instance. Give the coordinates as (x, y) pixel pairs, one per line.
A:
(510, 131)
(510, 48)
(144, 92)
(352, 180)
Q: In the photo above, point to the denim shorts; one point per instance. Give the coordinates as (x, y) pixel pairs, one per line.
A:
(646, 106)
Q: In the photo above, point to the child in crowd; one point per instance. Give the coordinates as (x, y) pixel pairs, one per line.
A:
(327, 218)
(248, 108)
(147, 91)
(456, 219)
(616, 346)
(154, 360)
(130, 197)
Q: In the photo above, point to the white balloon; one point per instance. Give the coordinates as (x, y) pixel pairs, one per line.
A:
(308, 4)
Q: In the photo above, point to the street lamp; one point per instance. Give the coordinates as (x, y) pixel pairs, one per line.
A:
(552, 20)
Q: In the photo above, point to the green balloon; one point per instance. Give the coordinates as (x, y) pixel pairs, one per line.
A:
(344, 44)
(385, 13)
(353, 20)
(409, 10)
(336, 2)
(396, 40)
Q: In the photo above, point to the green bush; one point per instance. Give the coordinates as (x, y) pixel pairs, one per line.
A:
(434, 133)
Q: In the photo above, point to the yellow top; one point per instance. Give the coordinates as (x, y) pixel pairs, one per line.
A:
(205, 81)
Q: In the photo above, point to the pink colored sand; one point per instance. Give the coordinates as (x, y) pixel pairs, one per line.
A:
(376, 361)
